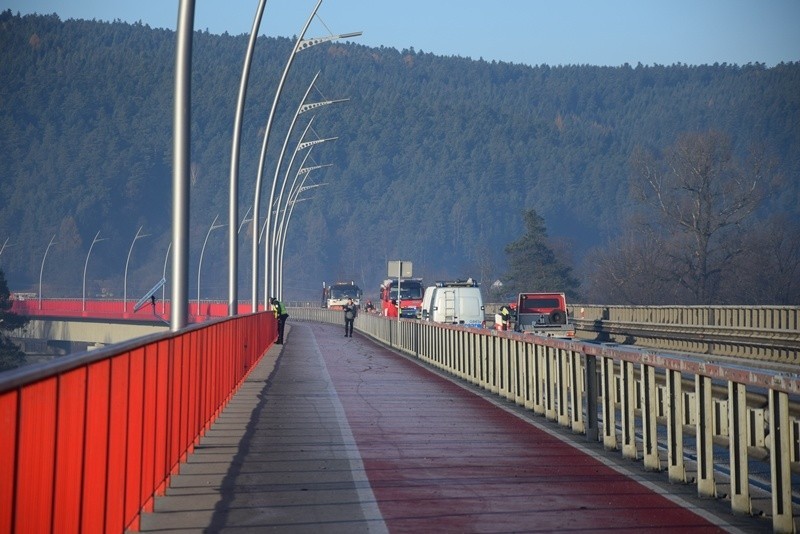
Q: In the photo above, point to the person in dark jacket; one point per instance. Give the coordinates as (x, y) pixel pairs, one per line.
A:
(350, 312)
(281, 315)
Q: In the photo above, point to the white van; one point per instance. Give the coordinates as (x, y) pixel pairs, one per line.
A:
(457, 302)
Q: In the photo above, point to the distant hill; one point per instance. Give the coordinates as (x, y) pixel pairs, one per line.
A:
(436, 161)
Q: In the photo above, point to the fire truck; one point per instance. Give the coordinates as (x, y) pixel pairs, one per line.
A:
(336, 295)
(410, 298)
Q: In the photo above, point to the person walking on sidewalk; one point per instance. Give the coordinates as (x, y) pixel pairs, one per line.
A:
(280, 314)
(350, 312)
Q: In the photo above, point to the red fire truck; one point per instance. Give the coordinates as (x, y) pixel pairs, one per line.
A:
(410, 298)
(336, 295)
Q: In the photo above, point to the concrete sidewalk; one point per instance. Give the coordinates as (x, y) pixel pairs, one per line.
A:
(279, 458)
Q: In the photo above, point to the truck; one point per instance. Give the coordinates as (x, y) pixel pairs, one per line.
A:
(543, 314)
(410, 297)
(336, 295)
(454, 302)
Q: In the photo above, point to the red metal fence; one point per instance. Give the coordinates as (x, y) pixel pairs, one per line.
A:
(119, 309)
(88, 440)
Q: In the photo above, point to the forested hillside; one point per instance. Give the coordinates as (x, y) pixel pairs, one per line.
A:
(437, 158)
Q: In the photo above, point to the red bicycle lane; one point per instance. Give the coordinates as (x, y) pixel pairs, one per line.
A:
(442, 458)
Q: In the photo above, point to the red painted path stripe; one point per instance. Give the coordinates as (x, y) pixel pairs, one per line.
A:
(440, 458)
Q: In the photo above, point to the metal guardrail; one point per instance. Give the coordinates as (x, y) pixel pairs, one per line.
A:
(637, 402)
(758, 333)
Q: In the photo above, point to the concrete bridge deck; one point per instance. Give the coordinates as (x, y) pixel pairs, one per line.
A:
(337, 434)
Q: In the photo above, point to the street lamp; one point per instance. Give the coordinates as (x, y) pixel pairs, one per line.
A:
(285, 227)
(300, 44)
(139, 235)
(41, 270)
(301, 146)
(280, 234)
(86, 264)
(233, 200)
(269, 253)
(213, 226)
(181, 159)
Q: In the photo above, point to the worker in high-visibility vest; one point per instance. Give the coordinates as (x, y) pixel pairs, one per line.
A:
(505, 318)
(281, 315)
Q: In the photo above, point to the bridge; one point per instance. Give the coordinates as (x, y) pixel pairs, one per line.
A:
(407, 426)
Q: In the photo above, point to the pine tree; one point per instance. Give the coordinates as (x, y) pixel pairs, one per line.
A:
(10, 355)
(534, 266)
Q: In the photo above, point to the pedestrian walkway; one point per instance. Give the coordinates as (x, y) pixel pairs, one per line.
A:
(335, 434)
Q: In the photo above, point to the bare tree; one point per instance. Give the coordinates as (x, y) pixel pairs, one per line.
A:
(699, 196)
(769, 270)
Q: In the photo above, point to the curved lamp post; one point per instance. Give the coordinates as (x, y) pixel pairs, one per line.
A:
(86, 264)
(233, 200)
(300, 44)
(213, 226)
(276, 208)
(41, 270)
(284, 229)
(269, 252)
(4, 246)
(273, 235)
(280, 235)
(138, 236)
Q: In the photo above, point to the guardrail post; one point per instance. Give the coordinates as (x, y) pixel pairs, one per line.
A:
(609, 404)
(562, 385)
(550, 388)
(518, 356)
(529, 384)
(539, 355)
(676, 469)
(592, 422)
(627, 410)
(706, 487)
(780, 461)
(737, 419)
(505, 377)
(576, 400)
(649, 427)
(416, 329)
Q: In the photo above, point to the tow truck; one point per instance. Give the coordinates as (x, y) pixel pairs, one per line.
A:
(543, 314)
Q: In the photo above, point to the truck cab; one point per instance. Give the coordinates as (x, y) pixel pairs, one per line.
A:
(336, 295)
(543, 314)
(406, 302)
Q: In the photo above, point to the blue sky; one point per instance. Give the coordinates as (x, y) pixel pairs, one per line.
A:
(533, 32)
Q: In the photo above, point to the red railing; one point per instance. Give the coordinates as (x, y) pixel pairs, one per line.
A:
(118, 309)
(87, 441)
